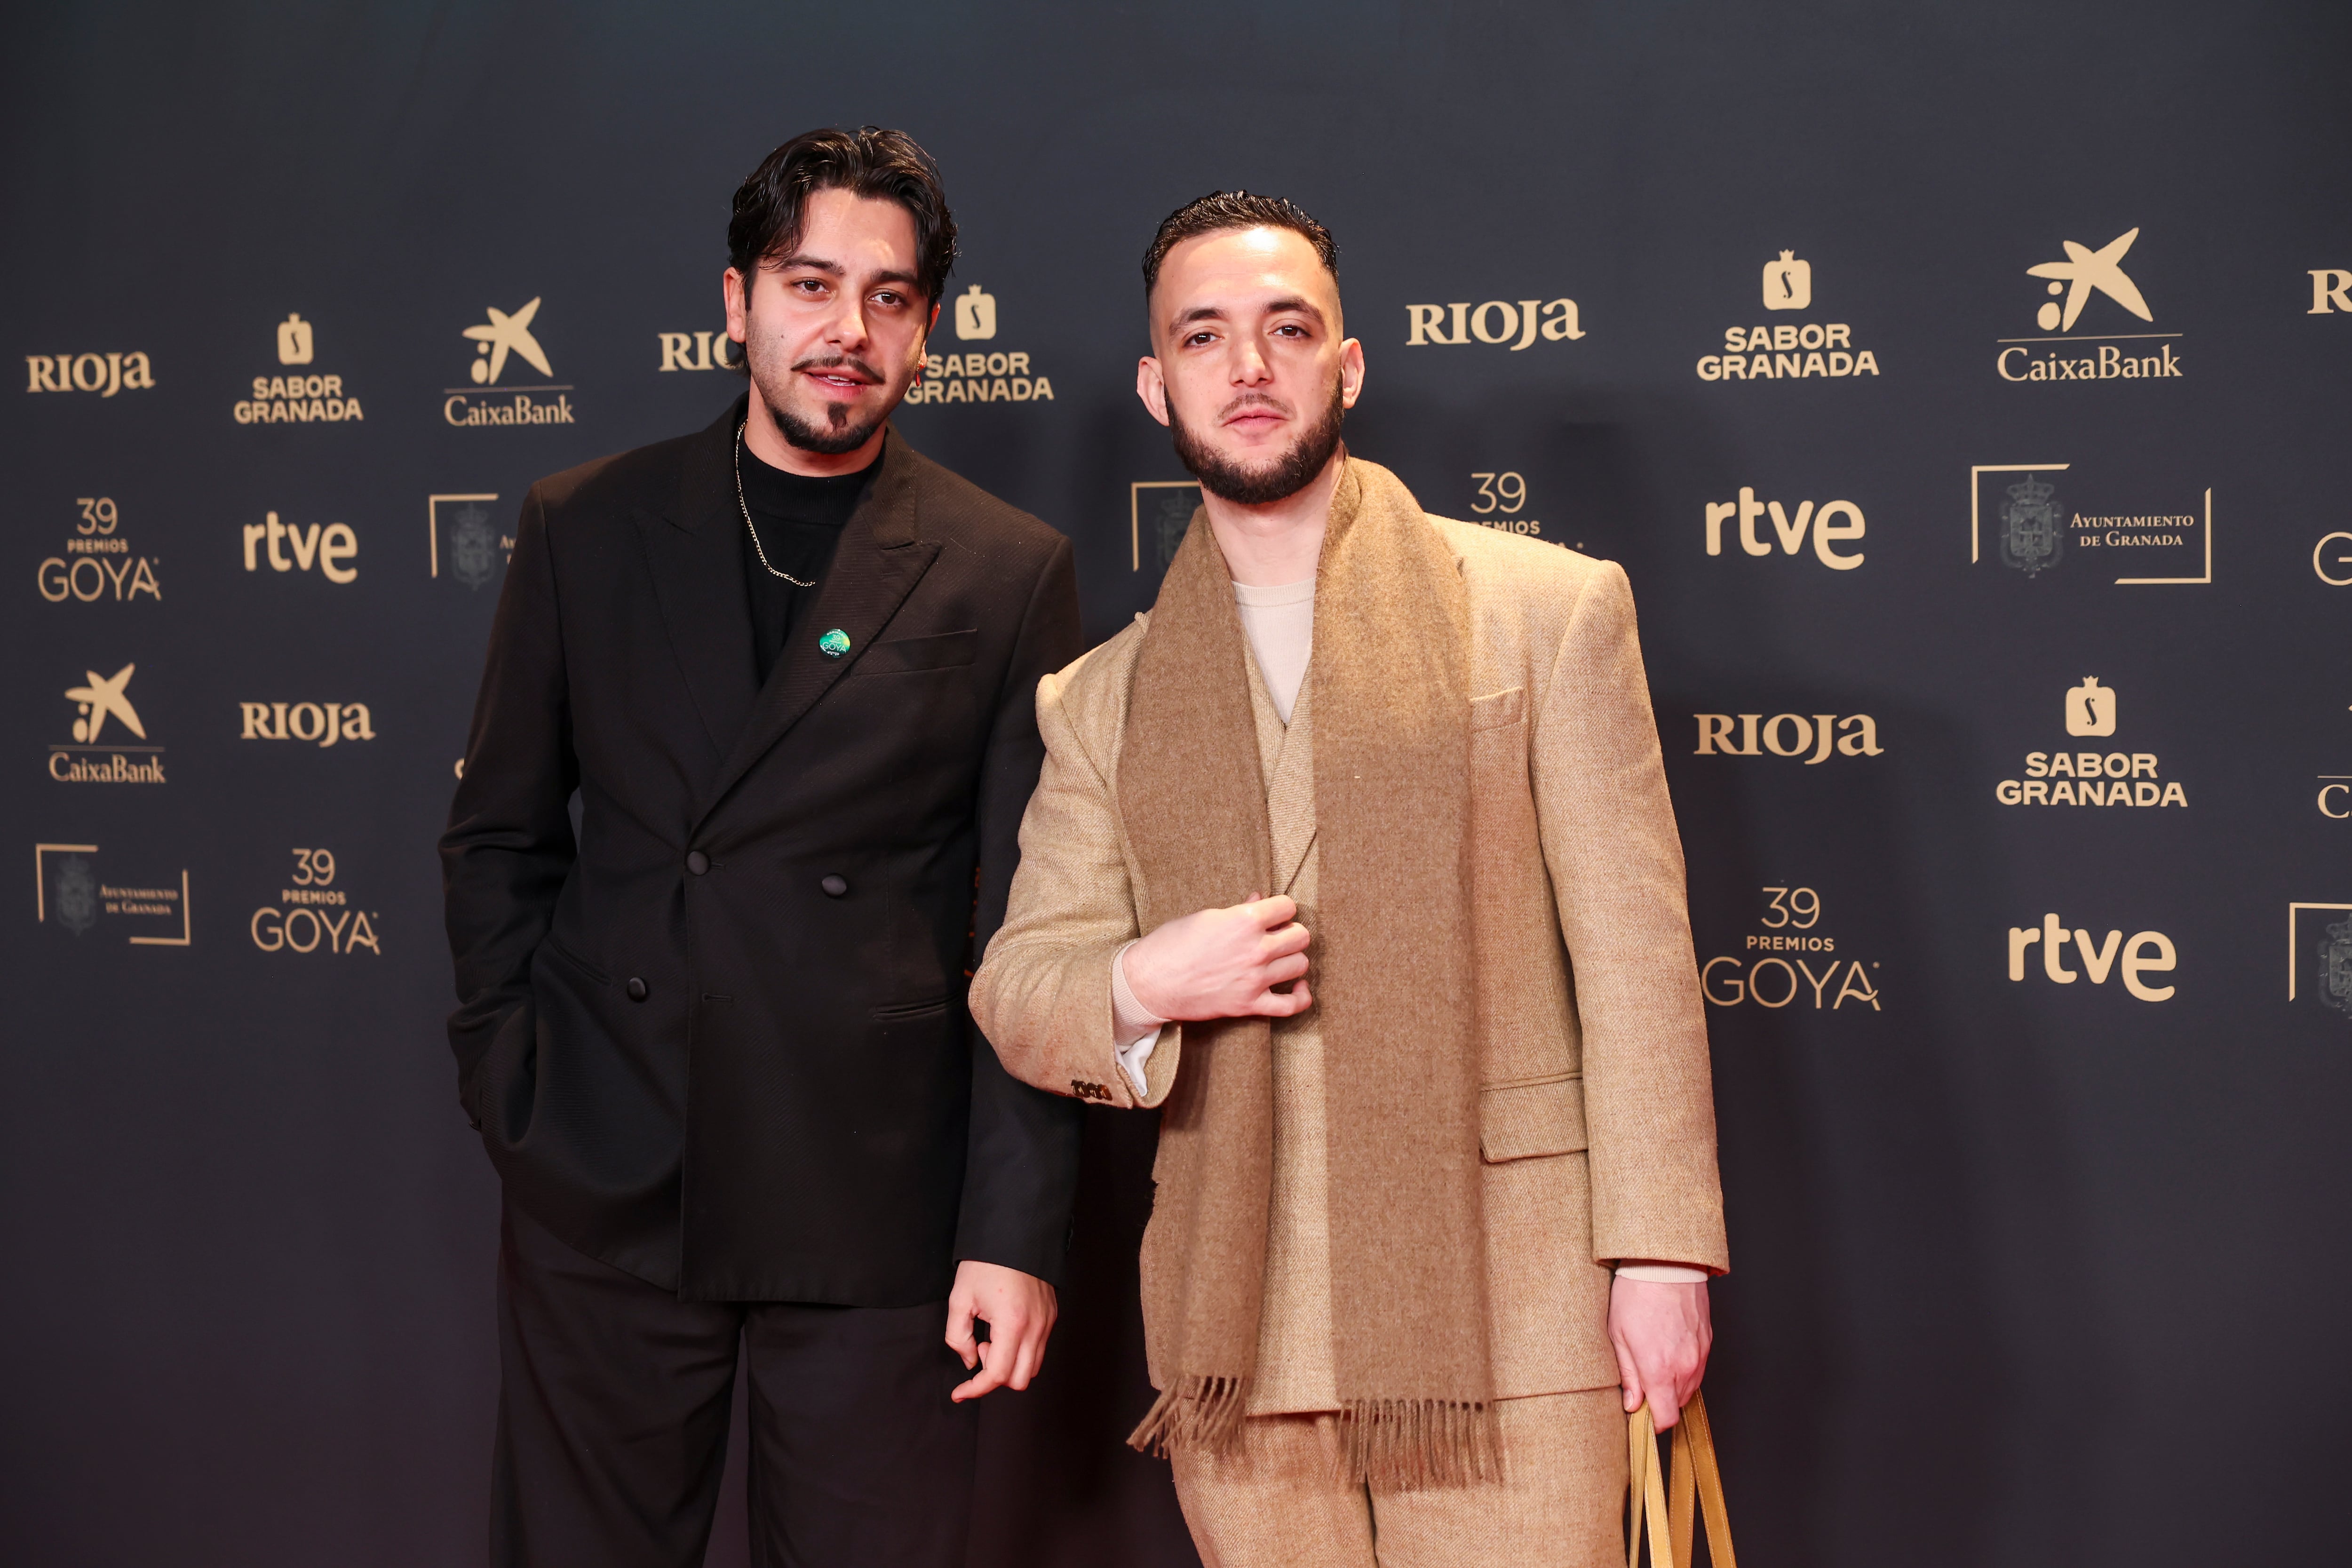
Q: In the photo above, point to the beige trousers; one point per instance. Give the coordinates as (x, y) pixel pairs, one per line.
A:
(1274, 1504)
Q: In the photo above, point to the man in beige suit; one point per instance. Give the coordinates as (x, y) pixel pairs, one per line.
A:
(1355, 857)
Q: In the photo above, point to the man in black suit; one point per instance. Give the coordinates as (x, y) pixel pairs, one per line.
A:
(716, 1041)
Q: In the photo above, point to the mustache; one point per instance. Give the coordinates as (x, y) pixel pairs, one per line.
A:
(841, 362)
(1254, 400)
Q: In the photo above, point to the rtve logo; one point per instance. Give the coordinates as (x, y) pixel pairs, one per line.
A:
(105, 374)
(326, 549)
(1789, 531)
(1497, 321)
(2148, 953)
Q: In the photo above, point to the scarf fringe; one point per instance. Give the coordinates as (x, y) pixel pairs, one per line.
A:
(1413, 1444)
(1199, 1411)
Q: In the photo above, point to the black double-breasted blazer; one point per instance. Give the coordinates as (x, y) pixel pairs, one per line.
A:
(717, 1035)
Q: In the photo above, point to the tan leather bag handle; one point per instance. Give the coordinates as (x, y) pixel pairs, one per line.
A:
(1698, 1484)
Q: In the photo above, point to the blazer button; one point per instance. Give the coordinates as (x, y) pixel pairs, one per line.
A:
(635, 988)
(835, 887)
(696, 861)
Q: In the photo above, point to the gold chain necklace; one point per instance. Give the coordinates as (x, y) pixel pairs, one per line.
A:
(756, 548)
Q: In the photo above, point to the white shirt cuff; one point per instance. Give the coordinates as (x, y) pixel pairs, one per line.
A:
(1135, 1028)
(1662, 1273)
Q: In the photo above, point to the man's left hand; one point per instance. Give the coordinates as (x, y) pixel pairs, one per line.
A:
(1019, 1310)
(1662, 1334)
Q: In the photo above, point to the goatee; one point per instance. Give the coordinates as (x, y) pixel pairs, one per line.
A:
(838, 433)
(1259, 484)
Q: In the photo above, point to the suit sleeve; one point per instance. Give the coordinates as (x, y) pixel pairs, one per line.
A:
(1021, 1170)
(1044, 992)
(1616, 866)
(509, 845)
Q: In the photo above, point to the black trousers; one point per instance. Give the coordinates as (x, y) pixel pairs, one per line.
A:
(612, 1412)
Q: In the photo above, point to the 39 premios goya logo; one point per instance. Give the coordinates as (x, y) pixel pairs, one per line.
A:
(1791, 958)
(1795, 350)
(79, 889)
(2092, 776)
(292, 393)
(503, 342)
(313, 915)
(2089, 288)
(97, 564)
(111, 744)
(976, 369)
(2040, 520)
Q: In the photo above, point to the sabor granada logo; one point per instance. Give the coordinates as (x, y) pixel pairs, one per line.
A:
(2089, 777)
(105, 374)
(1788, 350)
(979, 374)
(303, 397)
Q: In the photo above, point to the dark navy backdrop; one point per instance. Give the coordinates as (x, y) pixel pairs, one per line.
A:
(2029, 1269)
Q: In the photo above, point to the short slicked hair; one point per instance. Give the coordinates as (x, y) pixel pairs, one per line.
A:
(772, 203)
(1221, 210)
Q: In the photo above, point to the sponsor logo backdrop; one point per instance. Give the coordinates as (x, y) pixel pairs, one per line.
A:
(1962, 391)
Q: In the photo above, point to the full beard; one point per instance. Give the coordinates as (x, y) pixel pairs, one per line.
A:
(838, 432)
(1257, 484)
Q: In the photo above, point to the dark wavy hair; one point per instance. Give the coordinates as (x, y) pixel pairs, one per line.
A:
(771, 206)
(1235, 209)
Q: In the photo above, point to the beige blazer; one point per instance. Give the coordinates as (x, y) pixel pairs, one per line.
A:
(1598, 1124)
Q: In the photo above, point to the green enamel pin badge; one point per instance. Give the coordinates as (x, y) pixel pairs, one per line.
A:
(835, 643)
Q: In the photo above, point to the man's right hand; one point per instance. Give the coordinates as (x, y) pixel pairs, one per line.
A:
(1223, 963)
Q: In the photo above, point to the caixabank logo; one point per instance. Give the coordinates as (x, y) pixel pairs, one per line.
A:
(78, 889)
(97, 564)
(494, 404)
(2091, 289)
(466, 546)
(103, 373)
(976, 370)
(2092, 776)
(293, 395)
(1793, 957)
(1788, 350)
(111, 744)
(2035, 517)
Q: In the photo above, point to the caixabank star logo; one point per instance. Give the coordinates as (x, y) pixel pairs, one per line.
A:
(493, 403)
(111, 744)
(2035, 517)
(2089, 288)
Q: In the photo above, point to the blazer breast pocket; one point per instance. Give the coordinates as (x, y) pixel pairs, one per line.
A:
(943, 650)
(1498, 710)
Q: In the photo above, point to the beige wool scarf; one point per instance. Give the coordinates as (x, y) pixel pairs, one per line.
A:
(1389, 684)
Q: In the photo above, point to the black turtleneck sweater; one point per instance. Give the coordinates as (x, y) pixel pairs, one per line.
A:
(799, 521)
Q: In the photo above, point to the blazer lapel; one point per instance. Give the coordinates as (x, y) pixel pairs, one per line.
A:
(1287, 754)
(695, 557)
(874, 567)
